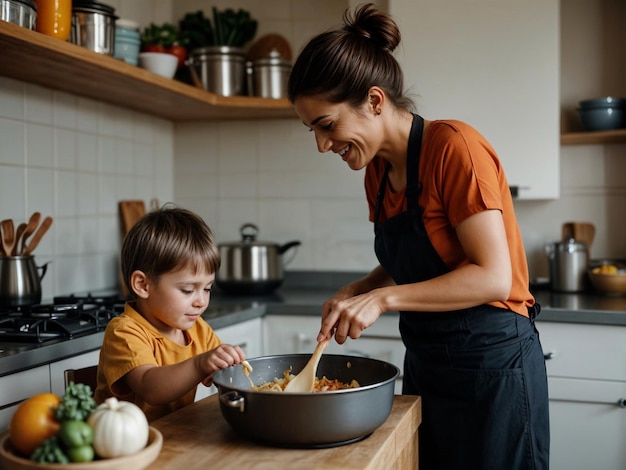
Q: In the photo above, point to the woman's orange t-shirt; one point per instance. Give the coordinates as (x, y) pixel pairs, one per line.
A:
(461, 175)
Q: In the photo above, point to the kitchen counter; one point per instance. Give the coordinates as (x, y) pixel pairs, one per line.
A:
(199, 437)
(303, 294)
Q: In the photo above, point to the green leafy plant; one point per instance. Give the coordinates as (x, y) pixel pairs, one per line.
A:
(226, 28)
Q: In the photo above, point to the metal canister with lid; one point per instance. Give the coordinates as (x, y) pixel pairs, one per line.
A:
(568, 265)
(268, 77)
(93, 26)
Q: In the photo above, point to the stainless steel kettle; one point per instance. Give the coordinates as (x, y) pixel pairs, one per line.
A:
(20, 281)
(568, 265)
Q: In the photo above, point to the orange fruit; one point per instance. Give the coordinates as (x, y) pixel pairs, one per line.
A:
(33, 422)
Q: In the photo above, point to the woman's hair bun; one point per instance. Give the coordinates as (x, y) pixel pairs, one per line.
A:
(373, 25)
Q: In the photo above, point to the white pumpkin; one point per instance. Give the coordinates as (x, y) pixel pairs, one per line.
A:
(119, 428)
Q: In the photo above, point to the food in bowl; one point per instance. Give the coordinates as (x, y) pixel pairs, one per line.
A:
(608, 276)
(320, 385)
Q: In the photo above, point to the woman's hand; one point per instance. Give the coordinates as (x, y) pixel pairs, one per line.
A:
(344, 316)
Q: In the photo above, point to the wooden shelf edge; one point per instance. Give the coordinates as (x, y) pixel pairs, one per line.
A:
(38, 59)
(593, 138)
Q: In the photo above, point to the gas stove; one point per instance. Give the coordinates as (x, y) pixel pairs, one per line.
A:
(66, 317)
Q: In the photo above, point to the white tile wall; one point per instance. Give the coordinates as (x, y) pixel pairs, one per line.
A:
(73, 159)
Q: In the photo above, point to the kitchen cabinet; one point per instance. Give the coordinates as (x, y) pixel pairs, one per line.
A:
(494, 65)
(296, 334)
(587, 385)
(247, 335)
(17, 387)
(36, 58)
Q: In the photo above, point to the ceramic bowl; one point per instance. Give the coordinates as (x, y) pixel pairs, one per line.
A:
(160, 63)
(604, 102)
(137, 461)
(608, 276)
(602, 118)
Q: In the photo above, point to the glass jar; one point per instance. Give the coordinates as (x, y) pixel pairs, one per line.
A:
(54, 18)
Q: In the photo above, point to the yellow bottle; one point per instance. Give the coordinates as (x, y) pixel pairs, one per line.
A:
(54, 18)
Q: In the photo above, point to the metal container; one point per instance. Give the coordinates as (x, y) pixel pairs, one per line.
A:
(251, 266)
(93, 26)
(268, 77)
(20, 12)
(219, 69)
(20, 281)
(568, 265)
(314, 420)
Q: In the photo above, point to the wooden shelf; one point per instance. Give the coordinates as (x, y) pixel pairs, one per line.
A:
(594, 138)
(35, 58)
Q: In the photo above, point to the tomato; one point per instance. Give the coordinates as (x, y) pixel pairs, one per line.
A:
(179, 51)
(76, 434)
(33, 422)
(81, 454)
(153, 48)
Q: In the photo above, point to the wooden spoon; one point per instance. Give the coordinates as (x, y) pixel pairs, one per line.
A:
(18, 234)
(8, 236)
(305, 380)
(43, 228)
(30, 228)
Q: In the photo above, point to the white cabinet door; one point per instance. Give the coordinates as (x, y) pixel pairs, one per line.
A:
(247, 335)
(587, 385)
(495, 65)
(15, 388)
(57, 369)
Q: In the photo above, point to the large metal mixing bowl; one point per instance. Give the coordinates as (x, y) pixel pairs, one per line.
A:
(308, 420)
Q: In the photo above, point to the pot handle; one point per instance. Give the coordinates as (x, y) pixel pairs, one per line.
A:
(44, 269)
(191, 65)
(233, 400)
(283, 248)
(248, 232)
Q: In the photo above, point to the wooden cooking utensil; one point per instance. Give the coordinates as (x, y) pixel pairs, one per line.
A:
(18, 235)
(32, 224)
(581, 231)
(305, 380)
(8, 236)
(130, 213)
(41, 231)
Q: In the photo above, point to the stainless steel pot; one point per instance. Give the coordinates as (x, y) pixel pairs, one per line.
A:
(20, 281)
(20, 12)
(251, 266)
(308, 420)
(218, 69)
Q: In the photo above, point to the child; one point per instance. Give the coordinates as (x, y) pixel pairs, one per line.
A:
(159, 349)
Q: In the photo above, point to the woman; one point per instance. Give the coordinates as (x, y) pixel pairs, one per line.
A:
(452, 260)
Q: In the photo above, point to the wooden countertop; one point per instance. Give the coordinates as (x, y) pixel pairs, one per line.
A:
(199, 437)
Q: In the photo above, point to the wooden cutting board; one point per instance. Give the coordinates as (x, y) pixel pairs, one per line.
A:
(581, 231)
(130, 213)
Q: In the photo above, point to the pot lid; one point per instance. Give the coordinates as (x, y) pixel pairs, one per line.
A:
(91, 6)
(249, 233)
(28, 3)
(274, 58)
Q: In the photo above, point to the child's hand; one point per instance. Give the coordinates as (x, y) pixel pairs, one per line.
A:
(225, 355)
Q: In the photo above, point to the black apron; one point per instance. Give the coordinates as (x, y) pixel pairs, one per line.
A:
(480, 371)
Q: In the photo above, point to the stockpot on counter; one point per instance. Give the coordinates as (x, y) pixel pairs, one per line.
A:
(308, 420)
(250, 266)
